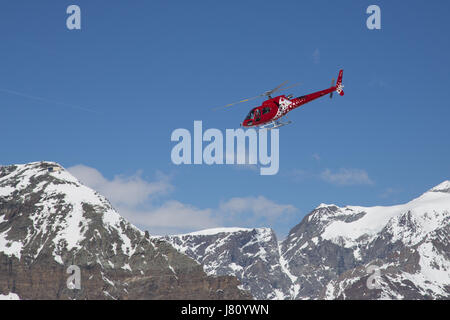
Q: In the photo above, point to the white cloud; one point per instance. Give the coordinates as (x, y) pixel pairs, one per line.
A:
(135, 199)
(259, 206)
(171, 217)
(378, 83)
(346, 177)
(316, 56)
(122, 190)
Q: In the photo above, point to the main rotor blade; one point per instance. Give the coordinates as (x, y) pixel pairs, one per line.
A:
(267, 93)
(276, 88)
(294, 85)
(241, 101)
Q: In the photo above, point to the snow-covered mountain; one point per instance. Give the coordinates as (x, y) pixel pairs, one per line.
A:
(352, 252)
(50, 221)
(409, 244)
(252, 255)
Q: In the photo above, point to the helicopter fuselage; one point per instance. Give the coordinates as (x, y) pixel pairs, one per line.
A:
(273, 109)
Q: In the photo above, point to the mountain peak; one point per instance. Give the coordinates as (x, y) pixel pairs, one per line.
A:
(325, 205)
(50, 221)
(21, 175)
(442, 187)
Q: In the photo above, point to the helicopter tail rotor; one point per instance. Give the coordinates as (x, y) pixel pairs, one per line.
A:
(332, 85)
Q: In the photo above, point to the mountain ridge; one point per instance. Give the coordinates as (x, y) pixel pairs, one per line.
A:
(50, 221)
(331, 244)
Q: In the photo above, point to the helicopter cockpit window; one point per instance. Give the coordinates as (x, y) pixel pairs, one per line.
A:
(250, 115)
(266, 110)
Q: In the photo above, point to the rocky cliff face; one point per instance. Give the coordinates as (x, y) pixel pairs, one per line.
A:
(397, 252)
(252, 255)
(49, 221)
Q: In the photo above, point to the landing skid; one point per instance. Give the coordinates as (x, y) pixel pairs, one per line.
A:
(274, 125)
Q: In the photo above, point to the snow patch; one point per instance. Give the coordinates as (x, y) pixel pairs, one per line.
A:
(10, 247)
(213, 231)
(442, 187)
(9, 296)
(429, 210)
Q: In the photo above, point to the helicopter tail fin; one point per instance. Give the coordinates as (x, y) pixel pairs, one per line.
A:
(339, 85)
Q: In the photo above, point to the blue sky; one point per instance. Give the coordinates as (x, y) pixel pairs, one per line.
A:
(107, 97)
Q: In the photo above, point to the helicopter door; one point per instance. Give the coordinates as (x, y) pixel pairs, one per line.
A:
(257, 115)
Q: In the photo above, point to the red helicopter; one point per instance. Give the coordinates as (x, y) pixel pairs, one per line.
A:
(269, 114)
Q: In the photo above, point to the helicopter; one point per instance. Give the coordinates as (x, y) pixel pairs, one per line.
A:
(270, 113)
